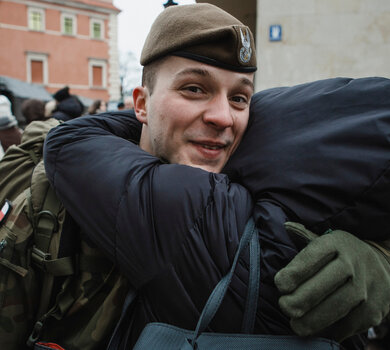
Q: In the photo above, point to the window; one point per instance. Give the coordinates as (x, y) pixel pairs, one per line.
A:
(37, 71)
(97, 29)
(68, 23)
(97, 76)
(36, 19)
(97, 73)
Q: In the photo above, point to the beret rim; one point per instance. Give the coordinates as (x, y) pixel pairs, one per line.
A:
(213, 62)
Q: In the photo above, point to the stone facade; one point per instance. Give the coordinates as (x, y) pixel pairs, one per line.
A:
(320, 38)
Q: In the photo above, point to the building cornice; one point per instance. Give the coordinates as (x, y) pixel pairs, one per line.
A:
(91, 5)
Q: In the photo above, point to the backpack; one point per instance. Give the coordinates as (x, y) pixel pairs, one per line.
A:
(54, 285)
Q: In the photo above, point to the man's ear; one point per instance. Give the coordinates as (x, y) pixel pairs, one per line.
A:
(140, 96)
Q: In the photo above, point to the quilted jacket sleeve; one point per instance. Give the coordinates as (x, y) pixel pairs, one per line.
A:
(144, 214)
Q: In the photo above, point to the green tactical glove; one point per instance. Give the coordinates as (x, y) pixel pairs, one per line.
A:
(337, 286)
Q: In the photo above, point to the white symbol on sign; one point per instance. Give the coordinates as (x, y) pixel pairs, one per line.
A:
(275, 32)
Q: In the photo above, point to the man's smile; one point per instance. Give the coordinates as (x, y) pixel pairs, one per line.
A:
(210, 149)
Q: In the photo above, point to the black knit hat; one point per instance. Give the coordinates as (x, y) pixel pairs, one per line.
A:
(62, 94)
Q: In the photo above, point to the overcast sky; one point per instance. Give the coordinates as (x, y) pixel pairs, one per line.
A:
(134, 23)
(135, 20)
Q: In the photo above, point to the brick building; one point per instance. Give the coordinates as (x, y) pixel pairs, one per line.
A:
(56, 43)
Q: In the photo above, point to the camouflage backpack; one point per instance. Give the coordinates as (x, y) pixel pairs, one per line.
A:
(54, 286)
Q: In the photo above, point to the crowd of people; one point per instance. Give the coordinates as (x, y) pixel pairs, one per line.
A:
(64, 106)
(163, 210)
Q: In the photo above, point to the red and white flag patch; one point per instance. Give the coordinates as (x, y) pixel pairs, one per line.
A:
(5, 210)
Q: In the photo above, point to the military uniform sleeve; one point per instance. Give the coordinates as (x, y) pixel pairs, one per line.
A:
(142, 213)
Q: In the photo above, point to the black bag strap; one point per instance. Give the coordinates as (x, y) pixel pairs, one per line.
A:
(252, 298)
(123, 323)
(214, 301)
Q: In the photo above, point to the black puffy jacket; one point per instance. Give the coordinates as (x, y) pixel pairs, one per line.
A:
(321, 150)
(173, 229)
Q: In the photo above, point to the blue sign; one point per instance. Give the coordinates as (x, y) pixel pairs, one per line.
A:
(275, 32)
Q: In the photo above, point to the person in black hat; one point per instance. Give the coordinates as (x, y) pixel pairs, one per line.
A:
(68, 106)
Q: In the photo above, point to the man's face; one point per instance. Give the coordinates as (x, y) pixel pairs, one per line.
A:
(196, 114)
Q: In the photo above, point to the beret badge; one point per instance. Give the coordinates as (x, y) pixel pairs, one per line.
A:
(246, 50)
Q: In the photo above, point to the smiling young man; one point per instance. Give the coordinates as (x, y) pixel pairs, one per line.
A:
(195, 113)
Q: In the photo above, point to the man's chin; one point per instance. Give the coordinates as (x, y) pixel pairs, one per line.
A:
(213, 168)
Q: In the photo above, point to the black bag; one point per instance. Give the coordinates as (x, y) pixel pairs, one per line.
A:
(166, 337)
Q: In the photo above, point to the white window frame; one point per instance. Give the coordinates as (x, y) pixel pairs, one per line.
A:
(42, 12)
(100, 63)
(101, 22)
(33, 56)
(74, 20)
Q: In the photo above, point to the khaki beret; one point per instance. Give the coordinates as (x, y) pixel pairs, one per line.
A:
(201, 32)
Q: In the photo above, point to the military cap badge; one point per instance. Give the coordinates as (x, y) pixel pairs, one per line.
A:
(246, 50)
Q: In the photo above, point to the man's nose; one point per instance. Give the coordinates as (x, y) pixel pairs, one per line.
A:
(219, 113)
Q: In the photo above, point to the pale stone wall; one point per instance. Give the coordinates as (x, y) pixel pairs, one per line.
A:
(322, 39)
(113, 62)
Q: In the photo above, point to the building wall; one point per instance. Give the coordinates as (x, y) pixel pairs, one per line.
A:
(244, 10)
(68, 57)
(322, 39)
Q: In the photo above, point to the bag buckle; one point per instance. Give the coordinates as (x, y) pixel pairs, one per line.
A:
(51, 216)
(3, 244)
(34, 336)
(39, 257)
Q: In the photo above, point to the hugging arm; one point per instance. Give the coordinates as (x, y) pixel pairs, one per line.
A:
(142, 213)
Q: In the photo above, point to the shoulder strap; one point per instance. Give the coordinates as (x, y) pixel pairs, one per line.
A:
(217, 295)
(252, 298)
(45, 222)
(123, 323)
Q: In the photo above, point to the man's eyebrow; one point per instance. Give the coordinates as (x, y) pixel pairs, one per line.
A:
(197, 71)
(248, 82)
(205, 73)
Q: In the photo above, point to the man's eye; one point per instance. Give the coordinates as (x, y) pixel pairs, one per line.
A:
(239, 99)
(194, 89)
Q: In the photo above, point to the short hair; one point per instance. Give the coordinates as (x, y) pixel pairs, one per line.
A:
(149, 73)
(33, 109)
(120, 105)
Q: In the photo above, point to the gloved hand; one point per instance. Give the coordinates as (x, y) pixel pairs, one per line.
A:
(337, 286)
